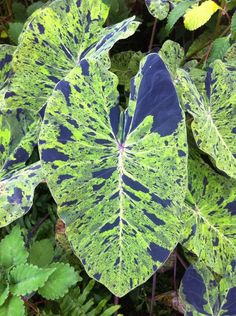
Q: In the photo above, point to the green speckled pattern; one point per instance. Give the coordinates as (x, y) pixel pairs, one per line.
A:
(214, 119)
(211, 224)
(119, 178)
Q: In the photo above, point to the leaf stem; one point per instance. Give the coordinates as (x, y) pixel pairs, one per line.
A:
(152, 36)
(154, 281)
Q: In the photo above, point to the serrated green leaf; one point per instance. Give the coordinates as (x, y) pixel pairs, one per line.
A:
(13, 306)
(14, 31)
(12, 249)
(6, 52)
(173, 55)
(214, 119)
(212, 220)
(233, 27)
(178, 11)
(124, 209)
(33, 7)
(199, 15)
(219, 48)
(41, 253)
(59, 282)
(4, 292)
(203, 294)
(26, 278)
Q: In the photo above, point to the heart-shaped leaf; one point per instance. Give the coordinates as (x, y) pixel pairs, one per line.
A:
(214, 119)
(211, 208)
(118, 177)
(204, 295)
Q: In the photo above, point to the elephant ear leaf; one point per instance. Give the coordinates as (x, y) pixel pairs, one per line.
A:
(214, 119)
(97, 158)
(211, 209)
(204, 295)
(6, 52)
(58, 36)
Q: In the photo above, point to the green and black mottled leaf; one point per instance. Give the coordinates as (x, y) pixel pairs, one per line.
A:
(203, 294)
(214, 119)
(122, 162)
(12, 249)
(125, 65)
(6, 52)
(26, 278)
(173, 55)
(59, 282)
(13, 306)
(58, 36)
(17, 192)
(211, 212)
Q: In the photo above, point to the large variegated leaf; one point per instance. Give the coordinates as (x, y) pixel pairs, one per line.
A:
(160, 8)
(204, 295)
(58, 37)
(118, 177)
(6, 52)
(17, 192)
(214, 118)
(211, 212)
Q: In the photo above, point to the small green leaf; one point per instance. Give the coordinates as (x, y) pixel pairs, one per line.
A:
(4, 292)
(219, 48)
(26, 278)
(41, 253)
(14, 306)
(177, 13)
(12, 249)
(14, 31)
(33, 7)
(110, 311)
(233, 27)
(199, 15)
(19, 12)
(59, 282)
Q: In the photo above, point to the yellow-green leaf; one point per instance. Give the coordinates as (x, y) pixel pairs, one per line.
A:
(199, 15)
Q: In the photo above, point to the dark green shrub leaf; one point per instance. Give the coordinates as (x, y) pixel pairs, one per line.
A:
(96, 158)
(14, 31)
(59, 282)
(214, 119)
(33, 7)
(230, 56)
(13, 306)
(210, 204)
(177, 13)
(233, 27)
(19, 12)
(41, 253)
(25, 278)
(204, 295)
(12, 249)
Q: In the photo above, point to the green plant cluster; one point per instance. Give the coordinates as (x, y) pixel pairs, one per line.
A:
(137, 147)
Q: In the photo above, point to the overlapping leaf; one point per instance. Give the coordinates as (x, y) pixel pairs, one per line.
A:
(58, 37)
(211, 207)
(118, 177)
(204, 295)
(6, 52)
(160, 8)
(214, 118)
